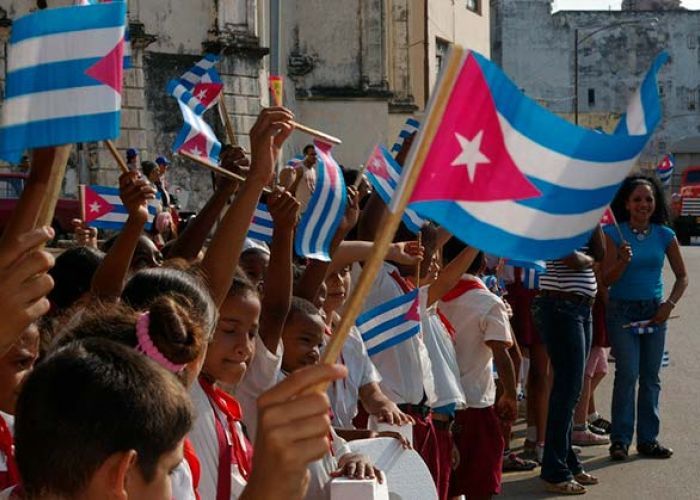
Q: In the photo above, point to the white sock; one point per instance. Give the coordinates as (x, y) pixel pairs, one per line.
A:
(593, 416)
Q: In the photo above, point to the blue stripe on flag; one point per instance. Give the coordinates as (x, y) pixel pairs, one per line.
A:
(64, 75)
(555, 133)
(385, 307)
(386, 325)
(562, 200)
(176, 89)
(64, 19)
(393, 341)
(196, 72)
(85, 128)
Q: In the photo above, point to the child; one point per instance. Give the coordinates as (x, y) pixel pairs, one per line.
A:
(15, 365)
(483, 337)
(97, 419)
(303, 337)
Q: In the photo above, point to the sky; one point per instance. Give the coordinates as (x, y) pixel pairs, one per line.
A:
(606, 4)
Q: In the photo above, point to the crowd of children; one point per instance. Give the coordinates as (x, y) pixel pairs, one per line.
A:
(183, 365)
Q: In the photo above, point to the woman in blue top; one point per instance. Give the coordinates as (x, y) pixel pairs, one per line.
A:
(632, 268)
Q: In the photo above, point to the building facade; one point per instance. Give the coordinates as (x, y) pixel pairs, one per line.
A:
(535, 47)
(358, 68)
(168, 37)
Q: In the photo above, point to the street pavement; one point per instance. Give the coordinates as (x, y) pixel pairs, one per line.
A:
(639, 478)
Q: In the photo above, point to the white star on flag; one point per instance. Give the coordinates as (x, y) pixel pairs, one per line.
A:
(95, 206)
(195, 151)
(471, 154)
(202, 94)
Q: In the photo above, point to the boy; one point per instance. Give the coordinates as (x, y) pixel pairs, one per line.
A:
(483, 338)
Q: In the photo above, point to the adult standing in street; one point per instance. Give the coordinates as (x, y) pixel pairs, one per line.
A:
(633, 270)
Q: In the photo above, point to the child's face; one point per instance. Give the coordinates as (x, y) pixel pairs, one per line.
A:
(254, 264)
(15, 365)
(303, 337)
(233, 346)
(160, 486)
(337, 288)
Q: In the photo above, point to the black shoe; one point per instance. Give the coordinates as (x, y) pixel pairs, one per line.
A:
(654, 450)
(603, 424)
(618, 451)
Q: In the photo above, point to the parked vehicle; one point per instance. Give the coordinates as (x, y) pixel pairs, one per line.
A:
(685, 206)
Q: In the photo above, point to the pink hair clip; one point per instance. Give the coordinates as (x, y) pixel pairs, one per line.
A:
(147, 346)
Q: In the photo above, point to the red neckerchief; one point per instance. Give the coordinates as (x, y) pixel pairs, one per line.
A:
(7, 447)
(463, 286)
(241, 452)
(193, 463)
(403, 283)
(328, 331)
(448, 326)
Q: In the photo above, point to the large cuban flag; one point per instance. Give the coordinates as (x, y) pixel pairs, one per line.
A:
(64, 78)
(390, 323)
(511, 178)
(325, 209)
(384, 173)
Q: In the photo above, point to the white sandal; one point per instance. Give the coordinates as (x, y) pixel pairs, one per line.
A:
(571, 487)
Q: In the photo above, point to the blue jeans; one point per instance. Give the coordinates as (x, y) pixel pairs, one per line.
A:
(565, 328)
(637, 357)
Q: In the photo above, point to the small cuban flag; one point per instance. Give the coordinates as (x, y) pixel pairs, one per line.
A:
(641, 327)
(664, 169)
(411, 127)
(103, 207)
(203, 81)
(383, 173)
(390, 323)
(325, 210)
(505, 175)
(64, 78)
(261, 225)
(196, 137)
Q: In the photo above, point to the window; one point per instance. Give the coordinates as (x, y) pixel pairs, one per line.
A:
(591, 98)
(474, 6)
(662, 89)
(442, 47)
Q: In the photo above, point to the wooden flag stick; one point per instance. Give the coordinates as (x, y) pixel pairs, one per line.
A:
(53, 191)
(390, 221)
(420, 243)
(316, 133)
(214, 168)
(81, 200)
(117, 157)
(617, 226)
(226, 119)
(360, 174)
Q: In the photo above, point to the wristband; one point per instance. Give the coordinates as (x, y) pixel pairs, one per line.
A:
(669, 301)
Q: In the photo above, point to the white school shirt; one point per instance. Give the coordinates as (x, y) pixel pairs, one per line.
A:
(405, 368)
(182, 482)
(206, 444)
(478, 316)
(443, 358)
(344, 394)
(260, 376)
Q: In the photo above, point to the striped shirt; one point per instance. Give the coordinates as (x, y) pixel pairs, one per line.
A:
(562, 278)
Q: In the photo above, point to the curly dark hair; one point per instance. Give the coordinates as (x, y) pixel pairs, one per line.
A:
(660, 215)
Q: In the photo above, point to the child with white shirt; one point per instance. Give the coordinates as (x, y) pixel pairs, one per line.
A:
(483, 337)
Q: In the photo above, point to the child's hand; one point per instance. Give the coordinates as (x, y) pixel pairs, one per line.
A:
(24, 283)
(284, 209)
(266, 138)
(389, 413)
(85, 236)
(234, 160)
(507, 408)
(352, 212)
(135, 191)
(409, 253)
(357, 466)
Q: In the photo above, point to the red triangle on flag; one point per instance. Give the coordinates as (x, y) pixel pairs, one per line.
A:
(95, 206)
(413, 313)
(196, 146)
(110, 69)
(207, 92)
(468, 159)
(376, 164)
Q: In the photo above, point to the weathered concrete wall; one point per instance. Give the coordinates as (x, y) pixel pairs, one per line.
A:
(536, 49)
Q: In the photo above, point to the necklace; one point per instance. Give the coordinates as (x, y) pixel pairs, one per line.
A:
(641, 234)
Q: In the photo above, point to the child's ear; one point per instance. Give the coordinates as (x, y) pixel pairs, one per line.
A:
(115, 473)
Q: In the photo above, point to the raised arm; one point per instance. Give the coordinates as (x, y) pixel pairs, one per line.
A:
(451, 274)
(349, 252)
(277, 290)
(266, 137)
(108, 280)
(191, 241)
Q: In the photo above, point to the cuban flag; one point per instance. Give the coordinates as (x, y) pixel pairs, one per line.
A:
(390, 323)
(664, 170)
(410, 127)
(196, 137)
(203, 81)
(384, 173)
(509, 177)
(641, 327)
(64, 78)
(127, 37)
(176, 89)
(104, 209)
(325, 209)
(261, 225)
